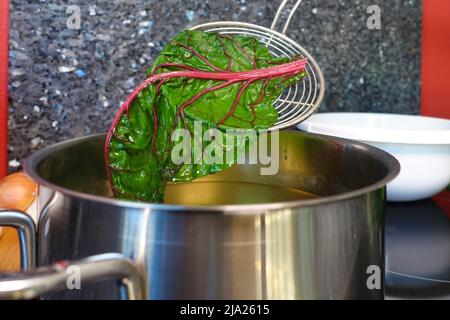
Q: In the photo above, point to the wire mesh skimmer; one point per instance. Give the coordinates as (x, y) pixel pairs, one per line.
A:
(301, 99)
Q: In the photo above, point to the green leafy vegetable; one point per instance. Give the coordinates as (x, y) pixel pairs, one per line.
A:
(220, 80)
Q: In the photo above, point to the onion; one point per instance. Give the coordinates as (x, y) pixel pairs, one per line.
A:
(17, 191)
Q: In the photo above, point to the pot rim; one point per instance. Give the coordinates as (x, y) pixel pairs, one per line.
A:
(387, 159)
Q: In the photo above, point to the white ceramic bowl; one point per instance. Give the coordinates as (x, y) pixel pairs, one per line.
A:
(421, 145)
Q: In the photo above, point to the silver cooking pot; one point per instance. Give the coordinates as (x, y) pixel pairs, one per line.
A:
(328, 247)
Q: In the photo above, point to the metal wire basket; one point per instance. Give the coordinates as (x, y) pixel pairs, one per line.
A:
(301, 99)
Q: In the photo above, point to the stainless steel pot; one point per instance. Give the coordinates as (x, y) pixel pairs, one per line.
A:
(319, 248)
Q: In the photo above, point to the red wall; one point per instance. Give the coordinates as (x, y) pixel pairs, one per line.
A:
(436, 58)
(4, 30)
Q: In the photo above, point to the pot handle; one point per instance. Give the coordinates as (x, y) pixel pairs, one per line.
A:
(27, 235)
(108, 266)
(32, 284)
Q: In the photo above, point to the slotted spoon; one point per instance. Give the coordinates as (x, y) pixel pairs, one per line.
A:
(301, 99)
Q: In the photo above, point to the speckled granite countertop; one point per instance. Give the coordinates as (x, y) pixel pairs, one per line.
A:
(65, 83)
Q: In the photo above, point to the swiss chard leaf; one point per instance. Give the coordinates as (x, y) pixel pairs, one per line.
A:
(222, 81)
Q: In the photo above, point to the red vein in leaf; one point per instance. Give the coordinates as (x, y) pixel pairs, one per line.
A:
(258, 101)
(254, 54)
(200, 56)
(123, 140)
(199, 95)
(239, 118)
(226, 53)
(236, 102)
(242, 50)
(155, 119)
(173, 65)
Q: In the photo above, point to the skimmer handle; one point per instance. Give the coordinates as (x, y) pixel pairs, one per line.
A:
(278, 15)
